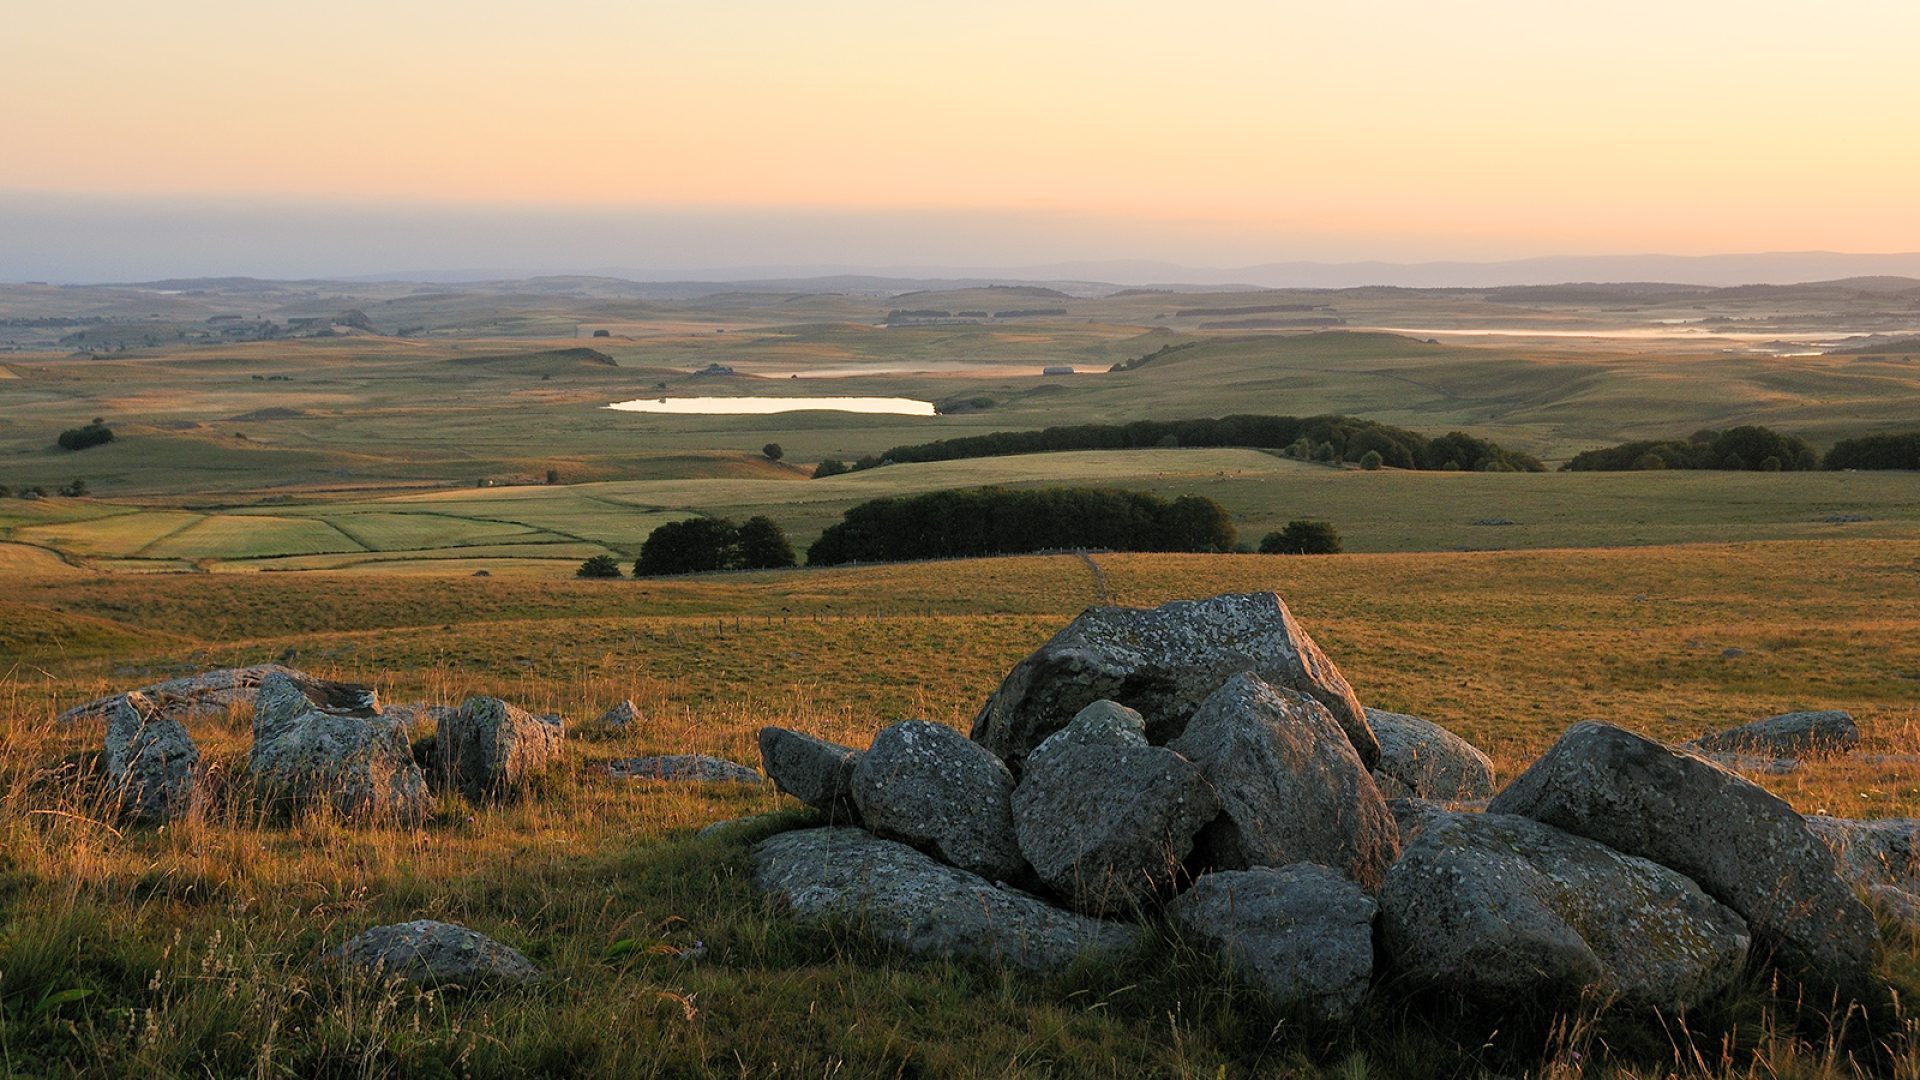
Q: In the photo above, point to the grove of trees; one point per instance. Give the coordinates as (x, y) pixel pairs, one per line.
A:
(1749, 447)
(1876, 452)
(999, 521)
(703, 545)
(1302, 538)
(1317, 438)
(80, 438)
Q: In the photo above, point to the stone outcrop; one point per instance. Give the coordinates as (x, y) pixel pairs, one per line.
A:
(151, 761)
(217, 693)
(685, 768)
(1164, 662)
(1745, 847)
(1423, 760)
(492, 750)
(1789, 735)
(436, 954)
(925, 784)
(1303, 934)
(815, 771)
(356, 759)
(907, 898)
(1290, 785)
(1498, 908)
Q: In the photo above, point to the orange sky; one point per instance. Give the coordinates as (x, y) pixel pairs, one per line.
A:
(1476, 128)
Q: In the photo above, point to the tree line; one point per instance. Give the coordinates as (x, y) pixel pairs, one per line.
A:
(1000, 521)
(1328, 439)
(1747, 448)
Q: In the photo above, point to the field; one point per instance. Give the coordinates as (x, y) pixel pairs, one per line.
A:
(195, 948)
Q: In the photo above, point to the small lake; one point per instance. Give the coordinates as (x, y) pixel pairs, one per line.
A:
(737, 406)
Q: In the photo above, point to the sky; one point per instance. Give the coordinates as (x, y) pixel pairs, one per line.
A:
(211, 134)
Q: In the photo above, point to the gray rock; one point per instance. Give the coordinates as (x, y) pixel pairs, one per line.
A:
(415, 713)
(1163, 662)
(1746, 848)
(625, 714)
(1869, 853)
(1302, 933)
(815, 771)
(1751, 763)
(492, 750)
(1502, 909)
(151, 761)
(437, 954)
(1290, 785)
(305, 751)
(1103, 723)
(1791, 734)
(216, 693)
(1426, 761)
(732, 825)
(909, 899)
(1410, 815)
(1109, 827)
(927, 785)
(695, 768)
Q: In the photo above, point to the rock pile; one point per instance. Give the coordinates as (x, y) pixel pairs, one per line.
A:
(1203, 765)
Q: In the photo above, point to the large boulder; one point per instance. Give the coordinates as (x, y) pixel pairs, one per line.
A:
(216, 693)
(1746, 848)
(357, 759)
(151, 761)
(1164, 662)
(1106, 820)
(904, 897)
(1502, 909)
(1880, 859)
(1290, 785)
(436, 954)
(1302, 933)
(492, 750)
(815, 771)
(927, 785)
(1788, 735)
(1422, 760)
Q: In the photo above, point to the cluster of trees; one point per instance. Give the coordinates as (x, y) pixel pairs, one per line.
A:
(998, 521)
(703, 545)
(73, 489)
(1329, 439)
(80, 438)
(1876, 452)
(1302, 538)
(1746, 448)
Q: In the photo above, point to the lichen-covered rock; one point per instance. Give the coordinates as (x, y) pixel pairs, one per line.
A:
(690, 768)
(1788, 735)
(358, 760)
(1869, 853)
(1301, 933)
(1108, 826)
(1426, 761)
(927, 785)
(1290, 785)
(436, 954)
(1504, 909)
(1164, 662)
(217, 693)
(815, 771)
(151, 761)
(492, 750)
(927, 907)
(1757, 764)
(624, 715)
(1745, 847)
(1103, 723)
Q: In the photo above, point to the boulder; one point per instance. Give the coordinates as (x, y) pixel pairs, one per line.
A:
(1869, 853)
(492, 750)
(1426, 761)
(1758, 764)
(1746, 848)
(815, 771)
(151, 761)
(624, 715)
(217, 693)
(1303, 934)
(927, 785)
(1163, 662)
(358, 760)
(1503, 909)
(1290, 785)
(1108, 826)
(1103, 723)
(436, 954)
(694, 768)
(1793, 734)
(926, 907)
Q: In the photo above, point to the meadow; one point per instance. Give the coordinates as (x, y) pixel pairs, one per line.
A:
(196, 948)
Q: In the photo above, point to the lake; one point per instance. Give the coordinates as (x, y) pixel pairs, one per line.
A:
(731, 406)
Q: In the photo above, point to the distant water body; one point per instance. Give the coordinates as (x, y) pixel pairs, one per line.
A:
(734, 406)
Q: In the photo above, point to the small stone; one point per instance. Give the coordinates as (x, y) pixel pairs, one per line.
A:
(436, 954)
